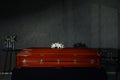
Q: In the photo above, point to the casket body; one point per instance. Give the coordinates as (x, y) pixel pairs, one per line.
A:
(59, 58)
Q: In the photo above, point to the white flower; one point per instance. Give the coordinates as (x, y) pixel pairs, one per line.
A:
(57, 45)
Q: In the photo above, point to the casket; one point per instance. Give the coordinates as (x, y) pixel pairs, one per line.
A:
(57, 57)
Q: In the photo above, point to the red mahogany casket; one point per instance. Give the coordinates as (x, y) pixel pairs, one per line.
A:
(57, 57)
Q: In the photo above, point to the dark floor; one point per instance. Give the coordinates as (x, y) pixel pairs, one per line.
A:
(111, 76)
(5, 76)
(55, 74)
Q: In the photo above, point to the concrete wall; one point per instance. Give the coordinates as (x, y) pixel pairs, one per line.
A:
(119, 26)
(67, 21)
(104, 23)
(62, 21)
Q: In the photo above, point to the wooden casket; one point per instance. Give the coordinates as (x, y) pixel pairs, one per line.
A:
(59, 58)
(58, 64)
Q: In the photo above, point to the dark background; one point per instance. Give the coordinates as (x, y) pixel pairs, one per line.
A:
(40, 23)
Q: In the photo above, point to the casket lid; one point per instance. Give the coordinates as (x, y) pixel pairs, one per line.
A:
(78, 51)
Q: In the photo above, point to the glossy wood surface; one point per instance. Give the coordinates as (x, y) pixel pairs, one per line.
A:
(66, 57)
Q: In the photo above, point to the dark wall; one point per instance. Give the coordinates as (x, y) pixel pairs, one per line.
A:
(51, 21)
(119, 26)
(104, 23)
(38, 24)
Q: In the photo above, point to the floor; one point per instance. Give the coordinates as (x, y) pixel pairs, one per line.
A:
(111, 76)
(5, 76)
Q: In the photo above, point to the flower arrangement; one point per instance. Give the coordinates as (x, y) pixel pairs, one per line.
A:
(57, 45)
(10, 41)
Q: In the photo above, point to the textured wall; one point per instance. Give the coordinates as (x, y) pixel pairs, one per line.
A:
(67, 21)
(38, 26)
(104, 22)
(119, 26)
